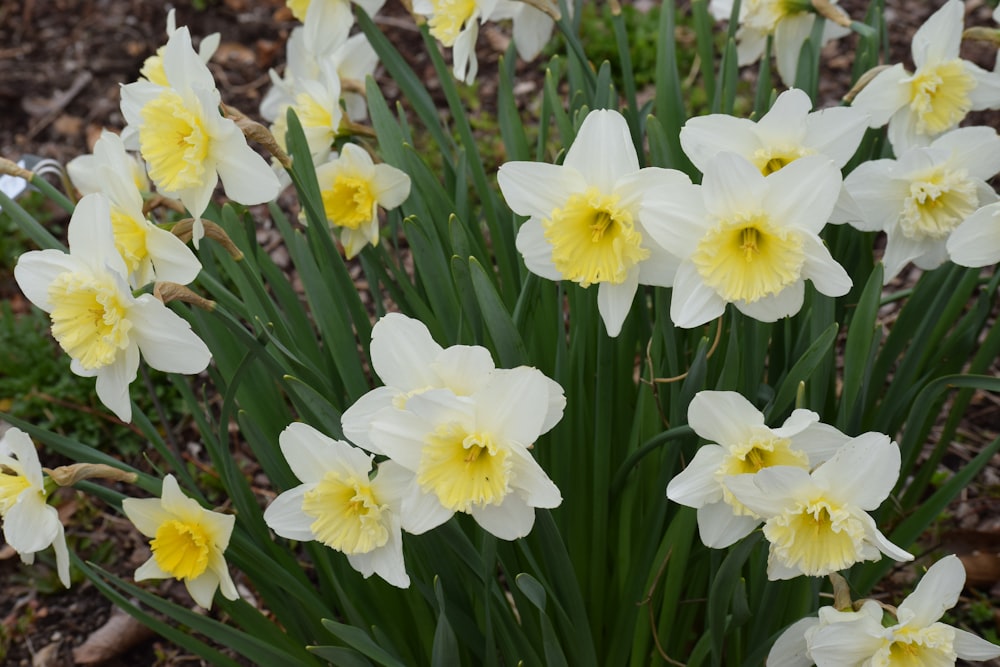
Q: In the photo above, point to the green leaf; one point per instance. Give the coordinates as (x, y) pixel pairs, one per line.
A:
(358, 639)
(445, 649)
(506, 340)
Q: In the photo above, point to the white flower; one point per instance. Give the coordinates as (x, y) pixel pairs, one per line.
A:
(30, 524)
(789, 22)
(747, 239)
(532, 27)
(926, 195)
(584, 222)
(326, 23)
(152, 68)
(936, 97)
(186, 142)
(976, 242)
(817, 523)
(188, 542)
(470, 454)
(787, 132)
(745, 446)
(455, 23)
(150, 253)
(337, 504)
(317, 106)
(859, 639)
(95, 317)
(353, 188)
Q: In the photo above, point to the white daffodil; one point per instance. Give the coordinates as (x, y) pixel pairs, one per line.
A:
(353, 188)
(747, 239)
(860, 639)
(976, 242)
(152, 68)
(409, 362)
(187, 144)
(30, 524)
(188, 542)
(787, 132)
(326, 23)
(339, 505)
(150, 253)
(532, 28)
(818, 523)
(317, 106)
(789, 22)
(584, 222)
(470, 454)
(926, 195)
(95, 317)
(455, 23)
(745, 446)
(919, 106)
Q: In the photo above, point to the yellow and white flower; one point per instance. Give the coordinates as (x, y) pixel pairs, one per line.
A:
(152, 68)
(747, 239)
(151, 254)
(353, 188)
(95, 317)
(470, 454)
(455, 23)
(186, 142)
(818, 523)
(317, 105)
(926, 196)
(789, 22)
(30, 524)
(935, 98)
(326, 23)
(584, 222)
(339, 505)
(741, 444)
(188, 542)
(859, 638)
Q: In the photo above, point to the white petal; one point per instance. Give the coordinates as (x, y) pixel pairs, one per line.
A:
(165, 338)
(970, 647)
(719, 527)
(936, 593)
(986, 93)
(420, 512)
(785, 122)
(391, 186)
(829, 277)
(769, 491)
(819, 442)
(62, 556)
(790, 649)
(536, 188)
(30, 525)
(693, 302)
(385, 561)
(976, 149)
(900, 250)
(511, 519)
(614, 301)
(603, 151)
(634, 188)
(464, 368)
(789, 36)
(884, 95)
(91, 236)
(696, 486)
(400, 435)
(246, 176)
(357, 419)
(862, 472)
(151, 570)
(675, 218)
(849, 642)
(182, 65)
(660, 268)
(704, 137)
(723, 417)
(531, 482)
(773, 307)
(536, 250)
(19, 443)
(836, 132)
(202, 588)
(401, 352)
(113, 381)
(976, 242)
(877, 195)
(310, 454)
(803, 193)
(733, 185)
(37, 269)
(217, 564)
(146, 513)
(940, 35)
(172, 258)
(513, 404)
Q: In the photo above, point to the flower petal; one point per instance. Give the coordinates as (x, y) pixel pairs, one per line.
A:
(285, 516)
(536, 189)
(614, 301)
(603, 151)
(719, 527)
(936, 593)
(862, 472)
(510, 520)
(165, 338)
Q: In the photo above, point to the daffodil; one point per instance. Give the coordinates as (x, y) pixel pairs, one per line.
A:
(926, 196)
(861, 638)
(584, 222)
(918, 106)
(188, 542)
(95, 317)
(150, 253)
(152, 68)
(742, 445)
(789, 22)
(455, 23)
(353, 188)
(30, 524)
(470, 454)
(339, 505)
(184, 139)
(317, 105)
(532, 28)
(747, 239)
(326, 23)
(787, 132)
(817, 523)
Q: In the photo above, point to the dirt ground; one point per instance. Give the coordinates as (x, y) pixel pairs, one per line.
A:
(61, 65)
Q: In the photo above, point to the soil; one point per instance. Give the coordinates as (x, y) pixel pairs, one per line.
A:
(61, 65)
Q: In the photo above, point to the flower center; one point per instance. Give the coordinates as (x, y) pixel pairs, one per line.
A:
(770, 160)
(765, 15)
(182, 548)
(347, 516)
(174, 142)
(938, 204)
(918, 647)
(464, 469)
(449, 17)
(747, 258)
(759, 452)
(350, 202)
(130, 238)
(817, 537)
(939, 95)
(593, 240)
(89, 319)
(12, 484)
